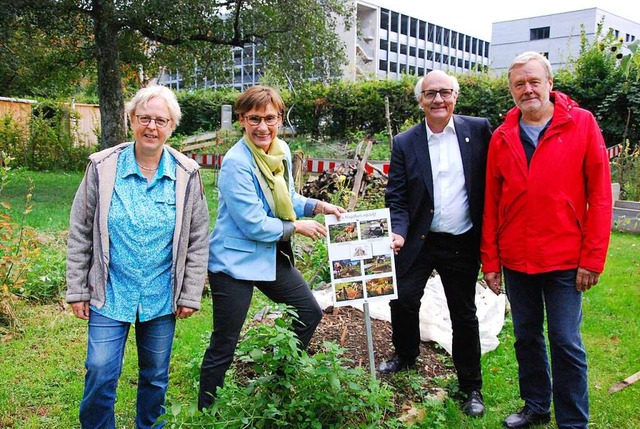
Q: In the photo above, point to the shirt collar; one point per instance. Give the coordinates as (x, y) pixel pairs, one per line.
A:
(166, 167)
(449, 128)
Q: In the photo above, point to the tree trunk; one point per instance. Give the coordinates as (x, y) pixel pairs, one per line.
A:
(112, 121)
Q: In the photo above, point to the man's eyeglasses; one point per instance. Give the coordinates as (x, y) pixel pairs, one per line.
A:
(254, 120)
(146, 120)
(431, 95)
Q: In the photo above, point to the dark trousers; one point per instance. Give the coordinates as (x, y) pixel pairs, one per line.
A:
(231, 300)
(455, 258)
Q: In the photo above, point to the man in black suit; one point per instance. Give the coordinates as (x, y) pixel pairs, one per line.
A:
(435, 195)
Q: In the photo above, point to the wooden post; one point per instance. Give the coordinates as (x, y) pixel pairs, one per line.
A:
(387, 114)
(358, 179)
(297, 163)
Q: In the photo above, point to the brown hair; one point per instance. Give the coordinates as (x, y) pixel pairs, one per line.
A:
(259, 97)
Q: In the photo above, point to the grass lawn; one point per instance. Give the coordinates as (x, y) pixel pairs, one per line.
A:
(41, 365)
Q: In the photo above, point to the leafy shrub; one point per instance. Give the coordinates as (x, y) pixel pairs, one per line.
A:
(47, 144)
(285, 387)
(18, 247)
(626, 171)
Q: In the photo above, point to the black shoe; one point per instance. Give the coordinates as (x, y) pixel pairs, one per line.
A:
(396, 364)
(526, 418)
(474, 404)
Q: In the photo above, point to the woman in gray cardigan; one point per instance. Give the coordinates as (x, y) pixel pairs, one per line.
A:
(137, 254)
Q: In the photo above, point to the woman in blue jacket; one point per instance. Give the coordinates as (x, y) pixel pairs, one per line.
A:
(258, 213)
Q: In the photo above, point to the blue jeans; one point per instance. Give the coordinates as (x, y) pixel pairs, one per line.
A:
(529, 296)
(231, 301)
(105, 351)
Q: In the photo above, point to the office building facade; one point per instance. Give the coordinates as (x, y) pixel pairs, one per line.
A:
(557, 36)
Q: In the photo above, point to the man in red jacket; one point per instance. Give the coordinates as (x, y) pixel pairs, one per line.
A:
(546, 224)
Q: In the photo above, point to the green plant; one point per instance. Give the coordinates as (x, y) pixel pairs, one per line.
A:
(282, 385)
(18, 247)
(626, 171)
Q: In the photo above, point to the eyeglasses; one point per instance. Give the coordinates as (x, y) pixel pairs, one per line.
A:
(146, 120)
(431, 95)
(254, 120)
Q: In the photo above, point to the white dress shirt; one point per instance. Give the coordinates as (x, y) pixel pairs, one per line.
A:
(450, 200)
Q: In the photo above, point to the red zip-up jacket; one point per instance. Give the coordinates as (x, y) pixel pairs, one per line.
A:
(554, 214)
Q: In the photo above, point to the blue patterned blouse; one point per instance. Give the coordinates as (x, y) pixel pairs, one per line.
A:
(141, 225)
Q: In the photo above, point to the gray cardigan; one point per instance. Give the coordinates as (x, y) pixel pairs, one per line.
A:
(88, 243)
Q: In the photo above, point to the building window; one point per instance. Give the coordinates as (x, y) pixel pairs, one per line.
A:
(403, 49)
(393, 67)
(423, 31)
(445, 59)
(467, 44)
(430, 55)
(384, 44)
(413, 31)
(394, 47)
(404, 24)
(539, 33)
(403, 69)
(460, 41)
(412, 70)
(412, 51)
(452, 61)
(421, 53)
(420, 71)
(474, 44)
(438, 35)
(447, 33)
(438, 55)
(432, 30)
(382, 65)
(394, 21)
(460, 62)
(384, 19)
(486, 49)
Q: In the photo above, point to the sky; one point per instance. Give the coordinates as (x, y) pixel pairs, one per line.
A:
(474, 17)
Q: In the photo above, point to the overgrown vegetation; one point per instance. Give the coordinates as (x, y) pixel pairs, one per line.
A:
(46, 143)
(18, 249)
(287, 387)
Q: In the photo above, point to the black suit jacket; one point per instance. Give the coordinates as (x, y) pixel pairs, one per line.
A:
(409, 193)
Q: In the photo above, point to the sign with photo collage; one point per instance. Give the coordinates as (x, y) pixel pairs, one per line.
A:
(360, 257)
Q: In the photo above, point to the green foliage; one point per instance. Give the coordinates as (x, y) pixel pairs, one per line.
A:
(18, 248)
(201, 109)
(484, 96)
(625, 170)
(347, 107)
(598, 83)
(47, 144)
(287, 387)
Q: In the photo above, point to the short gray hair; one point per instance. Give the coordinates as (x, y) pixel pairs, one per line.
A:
(145, 94)
(417, 90)
(525, 57)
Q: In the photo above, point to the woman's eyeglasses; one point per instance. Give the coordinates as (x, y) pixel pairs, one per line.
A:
(146, 120)
(254, 120)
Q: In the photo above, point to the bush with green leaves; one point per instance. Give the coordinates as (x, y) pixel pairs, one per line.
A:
(283, 386)
(48, 143)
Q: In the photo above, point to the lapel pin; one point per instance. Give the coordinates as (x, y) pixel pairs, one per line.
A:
(466, 139)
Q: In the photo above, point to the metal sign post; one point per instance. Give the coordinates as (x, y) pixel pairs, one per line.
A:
(367, 324)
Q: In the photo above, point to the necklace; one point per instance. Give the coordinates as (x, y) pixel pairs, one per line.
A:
(146, 168)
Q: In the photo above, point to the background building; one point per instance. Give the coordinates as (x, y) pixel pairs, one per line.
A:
(557, 35)
(384, 42)
(388, 41)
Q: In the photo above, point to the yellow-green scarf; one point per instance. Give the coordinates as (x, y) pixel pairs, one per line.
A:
(271, 166)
